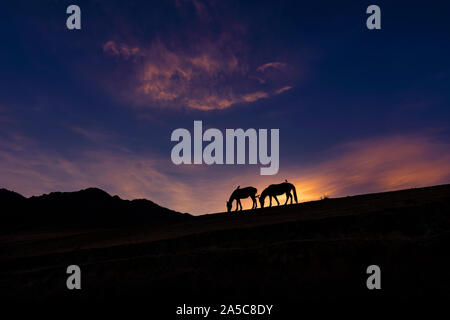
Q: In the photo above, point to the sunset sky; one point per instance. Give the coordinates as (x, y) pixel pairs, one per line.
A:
(358, 111)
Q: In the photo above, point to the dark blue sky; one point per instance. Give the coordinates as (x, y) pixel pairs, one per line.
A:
(358, 110)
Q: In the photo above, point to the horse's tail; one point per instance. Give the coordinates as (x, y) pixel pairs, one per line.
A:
(295, 193)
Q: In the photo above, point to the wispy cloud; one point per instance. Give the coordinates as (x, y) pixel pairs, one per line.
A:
(281, 90)
(27, 169)
(94, 135)
(208, 76)
(358, 167)
(378, 164)
(274, 65)
(194, 67)
(120, 50)
(373, 165)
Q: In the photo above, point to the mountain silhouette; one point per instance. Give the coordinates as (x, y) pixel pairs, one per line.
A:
(9, 197)
(293, 255)
(90, 207)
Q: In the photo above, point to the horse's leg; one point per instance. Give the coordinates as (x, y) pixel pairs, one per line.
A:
(278, 202)
(254, 201)
(270, 197)
(287, 198)
(240, 204)
(237, 204)
(291, 196)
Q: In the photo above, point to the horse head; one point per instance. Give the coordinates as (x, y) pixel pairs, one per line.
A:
(229, 206)
(261, 200)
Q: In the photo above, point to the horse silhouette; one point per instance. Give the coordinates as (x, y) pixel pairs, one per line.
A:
(275, 190)
(243, 193)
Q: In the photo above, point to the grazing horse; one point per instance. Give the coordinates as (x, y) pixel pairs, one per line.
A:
(243, 193)
(275, 190)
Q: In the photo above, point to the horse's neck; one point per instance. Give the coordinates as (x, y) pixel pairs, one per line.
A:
(264, 194)
(232, 197)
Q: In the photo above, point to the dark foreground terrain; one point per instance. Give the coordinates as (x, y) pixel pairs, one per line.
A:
(314, 251)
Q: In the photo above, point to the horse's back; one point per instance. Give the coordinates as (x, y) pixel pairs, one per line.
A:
(251, 190)
(277, 189)
(248, 191)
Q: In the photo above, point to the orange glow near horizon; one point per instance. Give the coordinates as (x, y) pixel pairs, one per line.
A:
(375, 165)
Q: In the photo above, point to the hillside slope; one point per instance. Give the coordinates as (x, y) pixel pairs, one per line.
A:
(311, 251)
